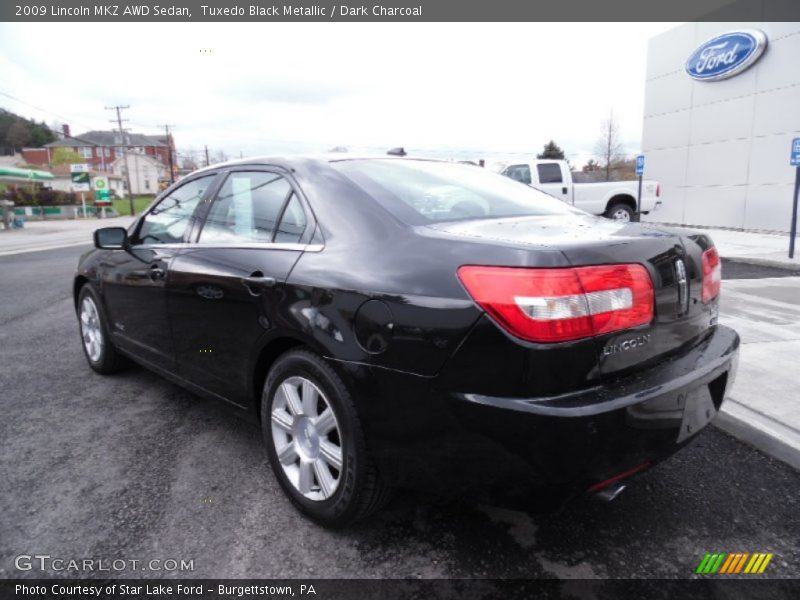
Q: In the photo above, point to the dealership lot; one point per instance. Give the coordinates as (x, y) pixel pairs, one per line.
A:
(133, 467)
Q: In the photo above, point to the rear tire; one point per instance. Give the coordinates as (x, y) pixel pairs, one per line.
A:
(315, 442)
(621, 212)
(100, 352)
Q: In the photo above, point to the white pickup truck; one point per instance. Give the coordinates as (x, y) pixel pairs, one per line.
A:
(612, 199)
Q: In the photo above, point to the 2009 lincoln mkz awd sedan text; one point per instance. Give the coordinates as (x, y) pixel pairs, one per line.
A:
(420, 324)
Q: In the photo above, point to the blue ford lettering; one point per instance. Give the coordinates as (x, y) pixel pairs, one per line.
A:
(726, 55)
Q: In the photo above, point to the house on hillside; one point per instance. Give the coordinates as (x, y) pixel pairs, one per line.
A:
(101, 148)
(146, 173)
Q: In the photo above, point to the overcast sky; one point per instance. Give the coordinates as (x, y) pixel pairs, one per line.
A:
(466, 90)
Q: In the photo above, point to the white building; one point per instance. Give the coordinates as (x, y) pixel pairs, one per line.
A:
(145, 172)
(721, 148)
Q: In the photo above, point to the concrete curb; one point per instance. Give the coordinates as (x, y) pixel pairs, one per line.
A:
(766, 434)
(765, 262)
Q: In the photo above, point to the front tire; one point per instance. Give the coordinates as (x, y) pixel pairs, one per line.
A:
(315, 442)
(100, 353)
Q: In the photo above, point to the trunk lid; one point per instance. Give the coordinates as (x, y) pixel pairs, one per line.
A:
(673, 260)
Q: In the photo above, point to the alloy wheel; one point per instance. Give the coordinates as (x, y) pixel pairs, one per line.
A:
(91, 331)
(307, 438)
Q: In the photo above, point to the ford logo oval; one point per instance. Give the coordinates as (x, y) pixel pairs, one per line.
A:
(726, 55)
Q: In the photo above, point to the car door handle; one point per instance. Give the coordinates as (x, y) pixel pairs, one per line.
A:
(257, 283)
(155, 272)
(563, 190)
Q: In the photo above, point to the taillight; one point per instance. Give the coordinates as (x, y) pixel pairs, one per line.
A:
(712, 274)
(557, 305)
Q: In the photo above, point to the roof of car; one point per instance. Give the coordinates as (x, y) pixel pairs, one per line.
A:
(288, 161)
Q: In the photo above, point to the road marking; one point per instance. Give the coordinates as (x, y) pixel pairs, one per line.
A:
(41, 248)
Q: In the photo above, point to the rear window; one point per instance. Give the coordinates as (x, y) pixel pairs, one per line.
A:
(549, 173)
(421, 192)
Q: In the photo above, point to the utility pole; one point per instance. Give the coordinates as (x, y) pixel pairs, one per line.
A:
(119, 121)
(207, 162)
(171, 163)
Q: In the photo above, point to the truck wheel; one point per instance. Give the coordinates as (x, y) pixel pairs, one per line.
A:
(620, 212)
(315, 443)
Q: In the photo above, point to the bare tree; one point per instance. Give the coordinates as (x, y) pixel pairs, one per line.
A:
(609, 148)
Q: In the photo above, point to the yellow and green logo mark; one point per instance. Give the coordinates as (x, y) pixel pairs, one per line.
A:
(735, 562)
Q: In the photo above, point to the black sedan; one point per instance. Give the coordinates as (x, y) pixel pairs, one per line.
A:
(406, 323)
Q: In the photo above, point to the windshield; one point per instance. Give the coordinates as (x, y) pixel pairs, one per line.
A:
(421, 192)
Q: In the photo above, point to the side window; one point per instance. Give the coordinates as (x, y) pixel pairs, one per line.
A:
(519, 172)
(167, 221)
(246, 208)
(293, 222)
(549, 173)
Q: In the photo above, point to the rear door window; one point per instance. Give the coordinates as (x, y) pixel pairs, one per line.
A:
(293, 222)
(246, 208)
(549, 173)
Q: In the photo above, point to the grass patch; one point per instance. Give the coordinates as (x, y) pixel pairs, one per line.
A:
(123, 205)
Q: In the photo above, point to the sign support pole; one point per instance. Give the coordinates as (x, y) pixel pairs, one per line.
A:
(83, 205)
(796, 199)
(639, 201)
(795, 162)
(640, 173)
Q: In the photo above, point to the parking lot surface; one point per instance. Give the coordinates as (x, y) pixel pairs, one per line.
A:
(134, 467)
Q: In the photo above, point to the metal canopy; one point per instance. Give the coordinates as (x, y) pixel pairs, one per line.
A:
(15, 175)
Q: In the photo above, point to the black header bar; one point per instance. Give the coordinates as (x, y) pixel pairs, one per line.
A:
(110, 11)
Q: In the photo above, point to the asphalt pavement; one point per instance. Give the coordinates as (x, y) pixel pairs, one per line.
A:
(133, 467)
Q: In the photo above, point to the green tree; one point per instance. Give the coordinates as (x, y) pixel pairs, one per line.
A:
(66, 156)
(18, 135)
(41, 134)
(551, 150)
(16, 131)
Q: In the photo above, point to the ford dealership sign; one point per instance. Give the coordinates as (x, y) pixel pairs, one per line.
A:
(726, 55)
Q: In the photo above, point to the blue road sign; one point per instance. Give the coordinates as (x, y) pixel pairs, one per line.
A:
(640, 164)
(795, 161)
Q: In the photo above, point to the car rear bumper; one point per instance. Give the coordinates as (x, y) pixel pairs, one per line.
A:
(520, 449)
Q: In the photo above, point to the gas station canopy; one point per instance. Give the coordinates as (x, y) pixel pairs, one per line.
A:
(14, 175)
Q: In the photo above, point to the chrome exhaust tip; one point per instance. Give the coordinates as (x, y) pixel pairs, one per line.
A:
(611, 492)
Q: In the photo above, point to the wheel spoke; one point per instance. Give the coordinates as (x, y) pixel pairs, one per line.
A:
(324, 478)
(304, 479)
(292, 399)
(325, 422)
(282, 419)
(288, 454)
(309, 398)
(331, 453)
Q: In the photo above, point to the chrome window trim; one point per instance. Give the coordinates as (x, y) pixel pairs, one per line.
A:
(234, 245)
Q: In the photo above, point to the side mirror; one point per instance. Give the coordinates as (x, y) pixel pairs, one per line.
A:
(111, 238)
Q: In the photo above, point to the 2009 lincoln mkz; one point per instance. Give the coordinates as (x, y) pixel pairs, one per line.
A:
(399, 323)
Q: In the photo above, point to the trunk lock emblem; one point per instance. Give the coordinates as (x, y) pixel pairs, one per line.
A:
(683, 286)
